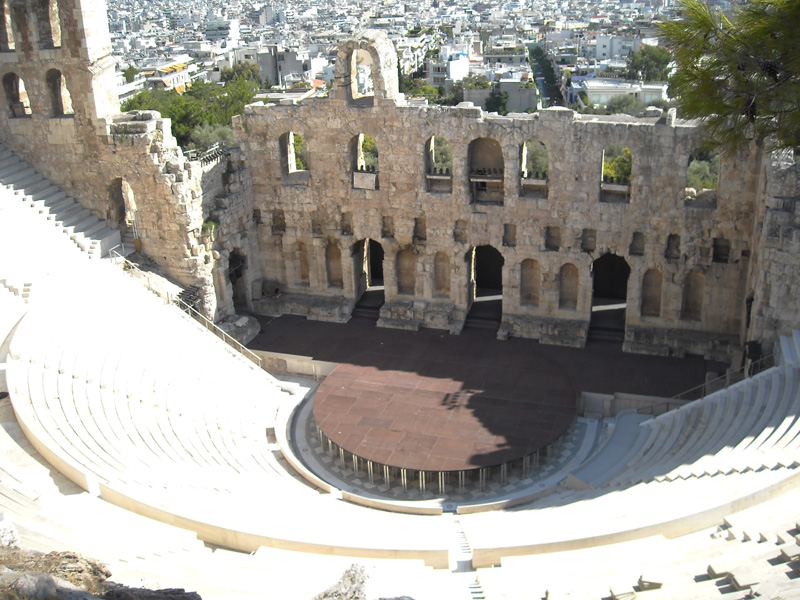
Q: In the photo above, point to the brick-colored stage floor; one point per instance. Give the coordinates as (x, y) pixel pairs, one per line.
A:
(433, 401)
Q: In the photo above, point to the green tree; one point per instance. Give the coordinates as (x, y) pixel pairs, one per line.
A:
(496, 102)
(537, 159)
(625, 104)
(741, 77)
(246, 70)
(651, 63)
(442, 154)
(299, 145)
(130, 73)
(369, 151)
(205, 135)
(617, 163)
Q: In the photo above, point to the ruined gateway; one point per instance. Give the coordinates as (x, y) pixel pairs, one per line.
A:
(698, 275)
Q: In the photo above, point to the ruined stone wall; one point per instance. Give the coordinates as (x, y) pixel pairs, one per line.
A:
(128, 168)
(306, 212)
(775, 279)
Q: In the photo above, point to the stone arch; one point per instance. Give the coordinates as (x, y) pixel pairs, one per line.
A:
(48, 23)
(60, 100)
(383, 59)
(486, 172)
(333, 265)
(616, 173)
(364, 153)
(16, 96)
(702, 177)
(534, 160)
(651, 293)
(301, 264)
(439, 164)
(237, 267)
(122, 205)
(693, 295)
(6, 31)
(441, 275)
(568, 282)
(294, 155)
(530, 282)
(406, 271)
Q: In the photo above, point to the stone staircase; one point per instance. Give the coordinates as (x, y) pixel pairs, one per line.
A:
(91, 234)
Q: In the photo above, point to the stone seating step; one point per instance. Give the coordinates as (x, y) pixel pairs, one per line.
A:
(31, 180)
(790, 355)
(10, 177)
(10, 165)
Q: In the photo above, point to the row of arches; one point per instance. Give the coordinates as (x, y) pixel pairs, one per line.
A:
(14, 19)
(486, 166)
(485, 264)
(18, 102)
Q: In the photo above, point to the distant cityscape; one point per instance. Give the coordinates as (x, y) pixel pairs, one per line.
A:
(170, 44)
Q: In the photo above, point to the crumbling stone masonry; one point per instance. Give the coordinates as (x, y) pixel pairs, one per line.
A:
(305, 215)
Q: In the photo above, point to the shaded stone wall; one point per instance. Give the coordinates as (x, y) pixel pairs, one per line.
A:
(327, 204)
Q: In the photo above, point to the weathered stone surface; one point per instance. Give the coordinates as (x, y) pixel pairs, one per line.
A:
(8, 533)
(352, 586)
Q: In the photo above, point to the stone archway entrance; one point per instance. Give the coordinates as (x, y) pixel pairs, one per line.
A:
(610, 274)
(367, 256)
(237, 264)
(485, 286)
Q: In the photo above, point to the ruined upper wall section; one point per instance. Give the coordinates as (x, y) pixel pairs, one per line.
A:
(384, 67)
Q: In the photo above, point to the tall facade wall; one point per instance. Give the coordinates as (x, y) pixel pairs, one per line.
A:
(333, 204)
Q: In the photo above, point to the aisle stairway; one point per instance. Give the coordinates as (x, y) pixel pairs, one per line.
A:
(84, 228)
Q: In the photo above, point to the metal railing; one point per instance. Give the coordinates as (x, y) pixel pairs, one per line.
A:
(220, 333)
(190, 310)
(725, 381)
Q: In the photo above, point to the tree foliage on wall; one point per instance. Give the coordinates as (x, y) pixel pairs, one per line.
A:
(203, 102)
(741, 77)
(617, 164)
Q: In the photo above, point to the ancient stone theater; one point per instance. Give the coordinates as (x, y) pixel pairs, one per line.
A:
(117, 407)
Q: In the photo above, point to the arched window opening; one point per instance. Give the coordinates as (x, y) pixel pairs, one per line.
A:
(615, 185)
(6, 31)
(693, 292)
(294, 151)
(486, 172)
(301, 264)
(568, 287)
(362, 77)
(441, 275)
(535, 164)
(48, 23)
(60, 100)
(405, 266)
(333, 264)
(702, 177)
(610, 275)
(530, 282)
(367, 256)
(637, 244)
(365, 162)
(439, 164)
(651, 293)
(673, 249)
(16, 96)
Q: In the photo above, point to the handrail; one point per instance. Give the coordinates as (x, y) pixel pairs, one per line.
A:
(221, 333)
(193, 312)
(707, 387)
(667, 406)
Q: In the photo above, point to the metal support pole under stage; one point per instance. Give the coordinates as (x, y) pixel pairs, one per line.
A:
(387, 476)
(442, 482)
(503, 473)
(422, 482)
(355, 465)
(404, 479)
(461, 480)
(369, 471)
(482, 479)
(341, 456)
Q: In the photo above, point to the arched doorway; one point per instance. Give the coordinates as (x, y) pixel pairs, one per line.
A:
(485, 286)
(237, 264)
(367, 255)
(610, 274)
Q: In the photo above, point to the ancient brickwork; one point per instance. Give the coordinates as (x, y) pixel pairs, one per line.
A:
(304, 214)
(61, 113)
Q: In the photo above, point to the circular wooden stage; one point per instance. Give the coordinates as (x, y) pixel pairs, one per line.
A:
(441, 415)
